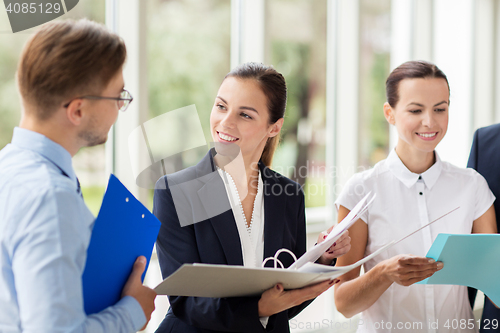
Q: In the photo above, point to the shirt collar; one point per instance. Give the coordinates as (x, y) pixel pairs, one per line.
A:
(408, 178)
(42, 145)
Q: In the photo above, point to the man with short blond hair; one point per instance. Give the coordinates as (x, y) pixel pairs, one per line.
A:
(71, 85)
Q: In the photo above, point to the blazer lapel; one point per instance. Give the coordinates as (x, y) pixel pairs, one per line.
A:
(223, 223)
(274, 208)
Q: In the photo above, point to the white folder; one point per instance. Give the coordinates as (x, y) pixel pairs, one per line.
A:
(208, 280)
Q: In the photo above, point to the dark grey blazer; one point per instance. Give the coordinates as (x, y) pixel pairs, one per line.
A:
(485, 159)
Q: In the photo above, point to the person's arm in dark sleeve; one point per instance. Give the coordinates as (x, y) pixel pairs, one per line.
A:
(472, 163)
(300, 249)
(473, 156)
(176, 246)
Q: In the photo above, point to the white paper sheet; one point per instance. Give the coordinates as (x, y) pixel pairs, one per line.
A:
(316, 251)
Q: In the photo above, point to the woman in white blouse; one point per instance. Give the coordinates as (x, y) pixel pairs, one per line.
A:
(232, 209)
(413, 187)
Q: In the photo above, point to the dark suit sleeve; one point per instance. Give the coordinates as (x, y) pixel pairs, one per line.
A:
(177, 245)
(473, 156)
(300, 248)
(472, 163)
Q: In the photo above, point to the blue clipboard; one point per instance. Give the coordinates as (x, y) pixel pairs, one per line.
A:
(123, 231)
(469, 260)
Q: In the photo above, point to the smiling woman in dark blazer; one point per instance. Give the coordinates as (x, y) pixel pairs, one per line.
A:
(232, 209)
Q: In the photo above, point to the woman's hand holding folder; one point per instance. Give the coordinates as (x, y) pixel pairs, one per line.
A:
(277, 299)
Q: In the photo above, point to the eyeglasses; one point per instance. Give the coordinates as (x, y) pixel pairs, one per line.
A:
(122, 102)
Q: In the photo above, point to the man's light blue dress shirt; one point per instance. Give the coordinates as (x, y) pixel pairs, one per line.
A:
(45, 230)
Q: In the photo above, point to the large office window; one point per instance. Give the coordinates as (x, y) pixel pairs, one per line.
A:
(296, 45)
(374, 64)
(10, 108)
(188, 57)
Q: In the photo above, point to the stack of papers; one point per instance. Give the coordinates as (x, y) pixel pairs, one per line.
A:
(314, 253)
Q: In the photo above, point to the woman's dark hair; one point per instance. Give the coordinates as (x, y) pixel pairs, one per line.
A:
(410, 70)
(273, 86)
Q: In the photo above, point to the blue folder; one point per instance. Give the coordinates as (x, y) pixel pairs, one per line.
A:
(123, 231)
(469, 260)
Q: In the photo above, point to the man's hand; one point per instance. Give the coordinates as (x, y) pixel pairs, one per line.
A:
(144, 295)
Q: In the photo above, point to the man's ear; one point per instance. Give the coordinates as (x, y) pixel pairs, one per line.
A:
(389, 113)
(74, 111)
(276, 127)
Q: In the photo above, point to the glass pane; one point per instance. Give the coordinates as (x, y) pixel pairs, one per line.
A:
(296, 47)
(94, 10)
(188, 57)
(375, 33)
(10, 106)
